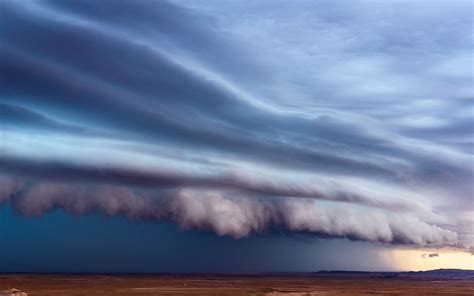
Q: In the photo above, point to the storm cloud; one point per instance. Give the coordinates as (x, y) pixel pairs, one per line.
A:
(348, 119)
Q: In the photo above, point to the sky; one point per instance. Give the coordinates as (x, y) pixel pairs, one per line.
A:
(236, 136)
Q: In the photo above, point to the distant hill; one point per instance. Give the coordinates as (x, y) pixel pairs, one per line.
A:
(440, 274)
(428, 274)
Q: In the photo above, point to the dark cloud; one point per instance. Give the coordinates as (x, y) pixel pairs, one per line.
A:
(431, 255)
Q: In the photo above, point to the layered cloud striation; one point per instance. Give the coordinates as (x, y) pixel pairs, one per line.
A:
(336, 119)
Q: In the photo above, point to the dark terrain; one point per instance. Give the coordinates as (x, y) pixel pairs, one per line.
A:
(435, 282)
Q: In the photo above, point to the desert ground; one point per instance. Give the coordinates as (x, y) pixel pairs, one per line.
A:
(104, 285)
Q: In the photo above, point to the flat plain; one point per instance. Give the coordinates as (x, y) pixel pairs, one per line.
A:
(105, 285)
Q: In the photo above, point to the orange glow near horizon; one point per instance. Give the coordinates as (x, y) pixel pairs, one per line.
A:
(413, 259)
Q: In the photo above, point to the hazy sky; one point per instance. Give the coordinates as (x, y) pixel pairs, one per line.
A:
(236, 136)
